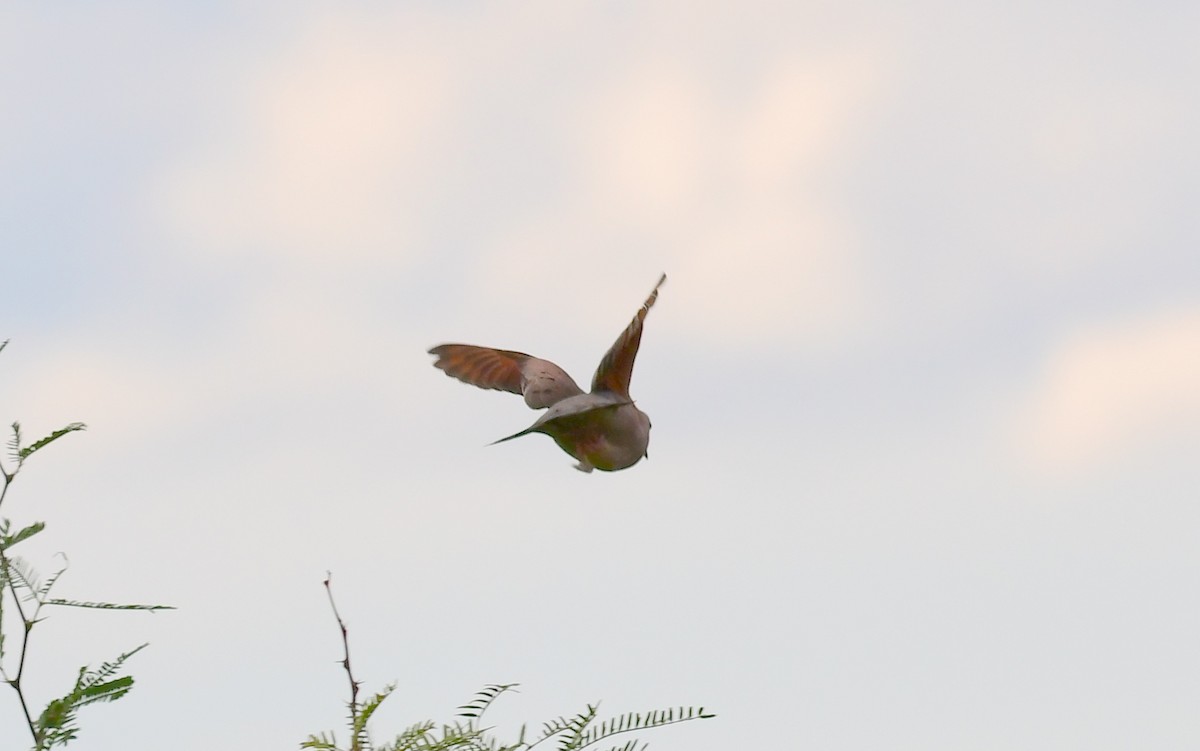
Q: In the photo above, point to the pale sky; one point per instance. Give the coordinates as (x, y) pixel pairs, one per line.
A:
(924, 377)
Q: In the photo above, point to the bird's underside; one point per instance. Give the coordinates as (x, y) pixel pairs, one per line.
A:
(603, 429)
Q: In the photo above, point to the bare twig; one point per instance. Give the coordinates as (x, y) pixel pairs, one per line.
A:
(354, 685)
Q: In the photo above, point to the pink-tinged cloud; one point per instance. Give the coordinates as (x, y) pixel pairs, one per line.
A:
(325, 142)
(729, 199)
(1114, 391)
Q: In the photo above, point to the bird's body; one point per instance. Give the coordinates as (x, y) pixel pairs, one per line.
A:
(599, 431)
(602, 429)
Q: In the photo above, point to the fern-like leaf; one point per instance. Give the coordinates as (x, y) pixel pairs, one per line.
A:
(8, 540)
(23, 576)
(44, 588)
(104, 605)
(633, 745)
(550, 730)
(460, 736)
(109, 669)
(105, 691)
(572, 738)
(413, 737)
(56, 724)
(25, 452)
(456, 737)
(359, 729)
(630, 722)
(321, 742)
(14, 445)
(483, 699)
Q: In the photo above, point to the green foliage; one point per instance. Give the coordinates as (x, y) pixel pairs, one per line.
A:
(359, 719)
(19, 453)
(574, 733)
(29, 594)
(56, 725)
(591, 734)
(27, 451)
(483, 699)
(7, 540)
(581, 731)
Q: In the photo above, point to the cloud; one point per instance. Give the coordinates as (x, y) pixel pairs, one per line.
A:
(645, 141)
(723, 190)
(346, 149)
(1114, 390)
(128, 395)
(323, 145)
(802, 116)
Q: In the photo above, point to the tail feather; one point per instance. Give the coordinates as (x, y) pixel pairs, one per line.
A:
(526, 431)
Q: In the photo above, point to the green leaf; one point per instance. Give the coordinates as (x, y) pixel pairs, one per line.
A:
(56, 724)
(633, 745)
(46, 586)
(359, 728)
(22, 576)
(14, 444)
(104, 605)
(25, 452)
(321, 742)
(631, 722)
(7, 540)
(483, 699)
(106, 691)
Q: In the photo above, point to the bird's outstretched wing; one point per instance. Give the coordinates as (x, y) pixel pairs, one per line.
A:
(617, 366)
(540, 381)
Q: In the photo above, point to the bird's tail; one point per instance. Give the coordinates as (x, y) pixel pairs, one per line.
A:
(526, 431)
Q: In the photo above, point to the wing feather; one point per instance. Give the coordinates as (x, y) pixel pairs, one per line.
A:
(617, 366)
(498, 369)
(541, 382)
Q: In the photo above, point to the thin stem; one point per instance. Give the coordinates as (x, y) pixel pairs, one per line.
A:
(354, 744)
(7, 481)
(26, 627)
(26, 623)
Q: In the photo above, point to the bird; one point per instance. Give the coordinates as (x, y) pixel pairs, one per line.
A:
(602, 429)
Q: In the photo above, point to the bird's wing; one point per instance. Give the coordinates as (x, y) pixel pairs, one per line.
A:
(540, 381)
(617, 366)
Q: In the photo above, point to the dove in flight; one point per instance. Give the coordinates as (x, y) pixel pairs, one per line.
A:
(602, 429)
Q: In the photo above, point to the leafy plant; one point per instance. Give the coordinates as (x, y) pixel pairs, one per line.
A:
(29, 594)
(575, 733)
